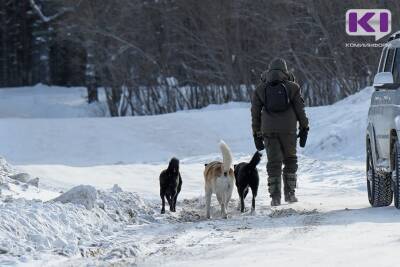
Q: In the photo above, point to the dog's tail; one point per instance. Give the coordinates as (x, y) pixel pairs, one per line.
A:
(255, 160)
(226, 156)
(173, 165)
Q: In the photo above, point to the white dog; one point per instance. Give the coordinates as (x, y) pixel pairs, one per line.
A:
(219, 179)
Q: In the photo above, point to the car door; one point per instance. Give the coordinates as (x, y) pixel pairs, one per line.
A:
(374, 106)
(383, 100)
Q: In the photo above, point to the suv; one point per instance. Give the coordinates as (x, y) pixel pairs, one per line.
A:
(382, 142)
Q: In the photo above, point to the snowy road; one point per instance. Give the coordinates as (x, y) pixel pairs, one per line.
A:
(332, 218)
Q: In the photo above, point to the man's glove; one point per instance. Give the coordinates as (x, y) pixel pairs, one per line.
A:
(259, 141)
(303, 133)
(291, 77)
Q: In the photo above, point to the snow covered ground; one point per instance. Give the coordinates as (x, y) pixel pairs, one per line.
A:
(332, 225)
(42, 101)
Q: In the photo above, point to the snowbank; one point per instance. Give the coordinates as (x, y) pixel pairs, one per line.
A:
(18, 184)
(338, 131)
(33, 227)
(29, 226)
(84, 195)
(79, 221)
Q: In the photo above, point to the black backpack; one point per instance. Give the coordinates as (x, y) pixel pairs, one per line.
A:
(276, 97)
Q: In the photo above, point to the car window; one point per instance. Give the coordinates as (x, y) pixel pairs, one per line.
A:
(396, 67)
(389, 60)
(382, 60)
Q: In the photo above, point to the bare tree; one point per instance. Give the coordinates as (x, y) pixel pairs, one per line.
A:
(158, 56)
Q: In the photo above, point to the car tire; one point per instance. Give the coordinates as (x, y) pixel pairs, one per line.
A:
(379, 184)
(396, 174)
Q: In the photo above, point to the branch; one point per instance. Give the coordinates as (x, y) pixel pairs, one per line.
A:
(128, 44)
(45, 18)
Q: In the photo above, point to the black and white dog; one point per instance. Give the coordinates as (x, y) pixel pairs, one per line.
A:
(170, 185)
(246, 175)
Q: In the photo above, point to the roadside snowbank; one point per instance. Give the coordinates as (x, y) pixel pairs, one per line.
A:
(338, 131)
(83, 225)
(84, 195)
(33, 227)
(18, 184)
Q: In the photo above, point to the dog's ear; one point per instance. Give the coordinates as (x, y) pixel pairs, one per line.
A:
(234, 166)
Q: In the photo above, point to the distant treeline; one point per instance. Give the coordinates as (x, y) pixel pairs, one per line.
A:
(157, 56)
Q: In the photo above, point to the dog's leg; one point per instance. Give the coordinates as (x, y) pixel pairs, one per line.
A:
(208, 202)
(239, 206)
(221, 200)
(171, 208)
(227, 198)
(162, 195)
(228, 195)
(243, 195)
(223, 209)
(241, 200)
(242, 207)
(174, 202)
(169, 199)
(253, 201)
(245, 192)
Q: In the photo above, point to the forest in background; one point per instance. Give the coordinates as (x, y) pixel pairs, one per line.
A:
(159, 56)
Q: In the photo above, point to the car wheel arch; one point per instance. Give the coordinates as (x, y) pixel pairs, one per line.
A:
(371, 139)
(393, 139)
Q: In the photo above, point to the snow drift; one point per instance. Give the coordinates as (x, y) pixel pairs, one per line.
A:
(84, 195)
(79, 221)
(338, 131)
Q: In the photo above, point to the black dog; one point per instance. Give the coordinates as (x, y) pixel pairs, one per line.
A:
(246, 175)
(170, 185)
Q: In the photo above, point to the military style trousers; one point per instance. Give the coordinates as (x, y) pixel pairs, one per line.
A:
(281, 150)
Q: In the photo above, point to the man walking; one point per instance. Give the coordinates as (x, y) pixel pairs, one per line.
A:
(277, 106)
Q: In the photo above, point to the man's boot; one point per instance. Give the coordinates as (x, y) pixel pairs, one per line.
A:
(274, 188)
(289, 182)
